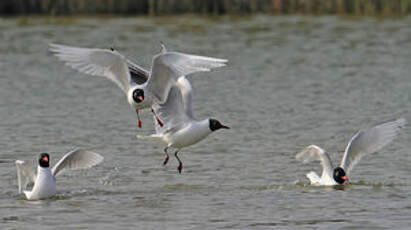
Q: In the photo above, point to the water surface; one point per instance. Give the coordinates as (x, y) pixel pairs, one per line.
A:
(290, 82)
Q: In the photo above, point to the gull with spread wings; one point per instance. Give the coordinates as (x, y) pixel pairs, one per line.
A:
(143, 88)
(45, 181)
(180, 128)
(365, 142)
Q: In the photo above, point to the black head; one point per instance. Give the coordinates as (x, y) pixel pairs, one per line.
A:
(216, 125)
(138, 95)
(44, 160)
(339, 175)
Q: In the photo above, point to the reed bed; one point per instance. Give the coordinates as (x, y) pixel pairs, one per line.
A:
(214, 7)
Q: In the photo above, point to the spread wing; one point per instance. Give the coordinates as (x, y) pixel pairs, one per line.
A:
(98, 62)
(370, 140)
(137, 73)
(77, 159)
(25, 175)
(314, 152)
(171, 113)
(167, 67)
(186, 96)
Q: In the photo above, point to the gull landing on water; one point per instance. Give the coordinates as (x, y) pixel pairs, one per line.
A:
(143, 88)
(45, 181)
(180, 128)
(365, 142)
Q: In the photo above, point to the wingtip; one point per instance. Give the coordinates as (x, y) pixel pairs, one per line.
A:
(141, 137)
(402, 122)
(19, 162)
(98, 158)
(54, 46)
(221, 64)
(298, 156)
(304, 154)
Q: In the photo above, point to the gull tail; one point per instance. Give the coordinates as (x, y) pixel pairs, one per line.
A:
(313, 177)
(152, 137)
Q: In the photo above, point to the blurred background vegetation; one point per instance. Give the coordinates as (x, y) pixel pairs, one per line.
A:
(215, 7)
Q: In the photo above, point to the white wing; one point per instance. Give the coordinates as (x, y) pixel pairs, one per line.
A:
(77, 159)
(313, 177)
(370, 140)
(314, 152)
(186, 95)
(25, 175)
(98, 62)
(167, 67)
(178, 107)
(172, 112)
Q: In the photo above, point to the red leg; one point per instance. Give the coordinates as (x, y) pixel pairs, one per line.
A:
(139, 124)
(166, 159)
(158, 119)
(180, 164)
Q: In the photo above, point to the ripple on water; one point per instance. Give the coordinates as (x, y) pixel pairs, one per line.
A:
(291, 81)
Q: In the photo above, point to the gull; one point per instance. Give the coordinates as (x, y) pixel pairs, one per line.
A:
(45, 181)
(180, 128)
(143, 88)
(366, 141)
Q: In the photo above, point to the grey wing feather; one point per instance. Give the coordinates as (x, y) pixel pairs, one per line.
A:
(172, 112)
(312, 153)
(167, 67)
(370, 140)
(178, 107)
(77, 159)
(98, 62)
(186, 95)
(25, 175)
(138, 74)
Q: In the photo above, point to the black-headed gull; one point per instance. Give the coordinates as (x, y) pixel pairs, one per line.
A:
(142, 88)
(44, 181)
(180, 128)
(365, 142)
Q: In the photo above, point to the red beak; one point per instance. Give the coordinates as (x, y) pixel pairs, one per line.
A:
(141, 98)
(345, 178)
(45, 159)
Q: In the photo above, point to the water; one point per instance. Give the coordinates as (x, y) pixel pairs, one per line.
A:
(291, 82)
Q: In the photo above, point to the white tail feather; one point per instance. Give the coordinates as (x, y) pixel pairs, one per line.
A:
(153, 137)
